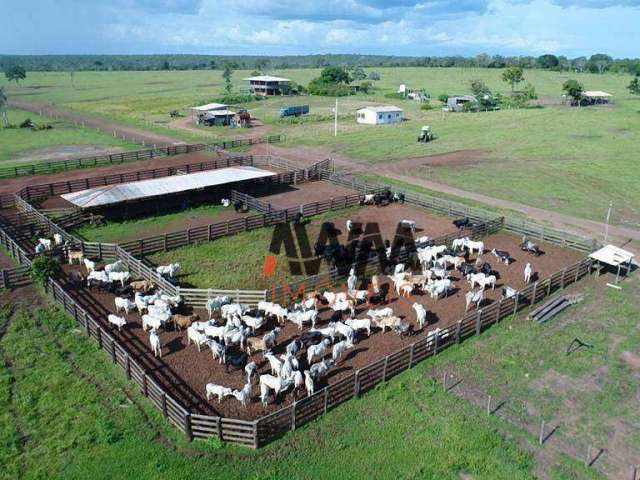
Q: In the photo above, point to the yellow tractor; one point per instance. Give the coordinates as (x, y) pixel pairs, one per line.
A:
(426, 134)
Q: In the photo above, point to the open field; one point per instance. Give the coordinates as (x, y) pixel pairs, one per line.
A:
(568, 159)
(19, 146)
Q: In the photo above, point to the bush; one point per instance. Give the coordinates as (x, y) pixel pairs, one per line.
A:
(443, 97)
(366, 87)
(319, 87)
(44, 267)
(426, 106)
(232, 99)
(27, 123)
(374, 76)
(394, 96)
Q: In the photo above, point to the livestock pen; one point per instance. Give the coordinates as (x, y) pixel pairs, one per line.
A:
(183, 404)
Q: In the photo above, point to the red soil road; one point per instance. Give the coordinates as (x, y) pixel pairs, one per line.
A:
(15, 184)
(132, 134)
(401, 170)
(185, 371)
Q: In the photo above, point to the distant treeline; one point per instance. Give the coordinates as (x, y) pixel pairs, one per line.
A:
(598, 63)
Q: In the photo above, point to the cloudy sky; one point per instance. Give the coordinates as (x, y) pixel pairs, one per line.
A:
(399, 27)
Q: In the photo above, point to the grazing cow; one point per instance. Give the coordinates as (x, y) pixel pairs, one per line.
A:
(386, 322)
(320, 369)
(528, 271)
(250, 369)
(368, 199)
(75, 257)
(117, 266)
(225, 202)
(502, 256)
(473, 298)
(360, 324)
(459, 243)
(474, 278)
(196, 337)
(461, 223)
(184, 321)
(275, 363)
(308, 383)
(124, 304)
(170, 270)
(339, 349)
(154, 340)
(380, 313)
(90, 266)
(244, 395)
(217, 350)
(142, 286)
(300, 318)
(317, 351)
(217, 390)
(269, 382)
(421, 314)
(121, 277)
(117, 321)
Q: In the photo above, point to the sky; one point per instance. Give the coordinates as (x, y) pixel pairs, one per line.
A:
(253, 27)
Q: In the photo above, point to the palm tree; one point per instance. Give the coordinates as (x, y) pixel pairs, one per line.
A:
(3, 107)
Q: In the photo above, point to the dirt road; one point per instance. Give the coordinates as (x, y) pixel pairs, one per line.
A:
(398, 171)
(131, 134)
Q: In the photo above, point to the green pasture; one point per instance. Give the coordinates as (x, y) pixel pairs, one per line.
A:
(68, 412)
(23, 142)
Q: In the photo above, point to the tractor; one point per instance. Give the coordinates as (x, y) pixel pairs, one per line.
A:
(426, 134)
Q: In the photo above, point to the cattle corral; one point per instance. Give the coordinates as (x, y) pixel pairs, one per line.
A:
(184, 372)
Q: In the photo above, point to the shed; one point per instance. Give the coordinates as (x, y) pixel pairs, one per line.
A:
(457, 103)
(267, 85)
(614, 257)
(380, 115)
(197, 113)
(217, 117)
(597, 96)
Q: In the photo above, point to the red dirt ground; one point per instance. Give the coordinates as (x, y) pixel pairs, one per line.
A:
(293, 195)
(185, 371)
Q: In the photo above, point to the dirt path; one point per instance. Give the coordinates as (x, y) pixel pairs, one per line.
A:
(132, 134)
(399, 171)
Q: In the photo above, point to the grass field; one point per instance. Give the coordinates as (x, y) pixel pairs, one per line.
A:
(571, 160)
(21, 146)
(117, 232)
(67, 412)
(238, 261)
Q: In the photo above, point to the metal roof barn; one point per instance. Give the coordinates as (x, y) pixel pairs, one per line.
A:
(124, 192)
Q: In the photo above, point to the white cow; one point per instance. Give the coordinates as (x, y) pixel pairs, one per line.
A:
(117, 266)
(410, 224)
(473, 298)
(170, 270)
(339, 349)
(121, 277)
(117, 321)
(380, 313)
(90, 266)
(46, 242)
(154, 340)
(421, 314)
(218, 390)
(269, 382)
(196, 337)
(528, 271)
(317, 351)
(308, 383)
(274, 363)
(360, 324)
(124, 304)
(300, 318)
(474, 278)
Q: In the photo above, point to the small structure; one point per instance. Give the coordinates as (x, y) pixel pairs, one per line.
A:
(426, 134)
(615, 257)
(267, 85)
(402, 89)
(597, 96)
(198, 113)
(380, 115)
(217, 118)
(457, 103)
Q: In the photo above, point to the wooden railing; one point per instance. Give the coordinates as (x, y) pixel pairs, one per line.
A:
(197, 297)
(251, 202)
(15, 277)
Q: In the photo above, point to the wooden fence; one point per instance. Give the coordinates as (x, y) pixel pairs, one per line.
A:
(43, 221)
(44, 168)
(455, 209)
(251, 202)
(15, 277)
(197, 297)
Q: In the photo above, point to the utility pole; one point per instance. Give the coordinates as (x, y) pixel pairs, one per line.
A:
(606, 228)
(335, 123)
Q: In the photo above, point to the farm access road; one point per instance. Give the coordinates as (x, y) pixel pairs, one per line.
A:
(132, 134)
(625, 237)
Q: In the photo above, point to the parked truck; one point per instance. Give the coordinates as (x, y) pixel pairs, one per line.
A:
(294, 111)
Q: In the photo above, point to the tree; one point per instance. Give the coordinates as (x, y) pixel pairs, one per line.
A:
(261, 64)
(599, 63)
(548, 61)
(335, 75)
(357, 73)
(15, 73)
(212, 65)
(574, 89)
(226, 74)
(44, 267)
(513, 76)
(333, 81)
(634, 86)
(72, 77)
(579, 64)
(374, 76)
(479, 88)
(3, 107)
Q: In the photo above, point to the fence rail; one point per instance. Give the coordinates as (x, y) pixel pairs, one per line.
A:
(44, 168)
(197, 297)
(251, 202)
(15, 277)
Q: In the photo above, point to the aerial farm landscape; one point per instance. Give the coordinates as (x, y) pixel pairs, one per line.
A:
(320, 241)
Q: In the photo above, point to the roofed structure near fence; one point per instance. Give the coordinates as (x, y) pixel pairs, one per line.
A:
(597, 96)
(614, 257)
(380, 115)
(145, 189)
(198, 113)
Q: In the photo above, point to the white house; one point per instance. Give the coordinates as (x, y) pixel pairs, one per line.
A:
(380, 115)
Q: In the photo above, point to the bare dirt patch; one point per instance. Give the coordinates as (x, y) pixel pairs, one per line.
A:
(65, 152)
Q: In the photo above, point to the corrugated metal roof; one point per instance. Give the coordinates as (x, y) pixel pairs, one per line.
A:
(218, 113)
(382, 108)
(267, 78)
(612, 255)
(122, 192)
(596, 93)
(210, 106)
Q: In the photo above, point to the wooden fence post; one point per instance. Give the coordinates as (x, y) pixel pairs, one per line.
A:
(326, 398)
(127, 364)
(515, 305)
(356, 385)
(533, 295)
(541, 436)
(113, 350)
(564, 271)
(384, 370)
(144, 384)
(478, 324)
(187, 424)
(411, 355)
(458, 331)
(100, 336)
(293, 416)
(164, 404)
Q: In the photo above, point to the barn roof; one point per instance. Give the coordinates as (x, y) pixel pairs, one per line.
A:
(123, 192)
(218, 113)
(596, 94)
(612, 255)
(210, 106)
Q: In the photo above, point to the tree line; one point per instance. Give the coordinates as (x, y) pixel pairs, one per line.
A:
(597, 63)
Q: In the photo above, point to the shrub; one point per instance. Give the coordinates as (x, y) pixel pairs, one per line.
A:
(426, 106)
(394, 96)
(443, 97)
(232, 99)
(44, 267)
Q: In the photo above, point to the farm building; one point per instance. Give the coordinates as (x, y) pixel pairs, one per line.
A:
(124, 200)
(217, 117)
(267, 85)
(380, 115)
(457, 103)
(198, 113)
(597, 96)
